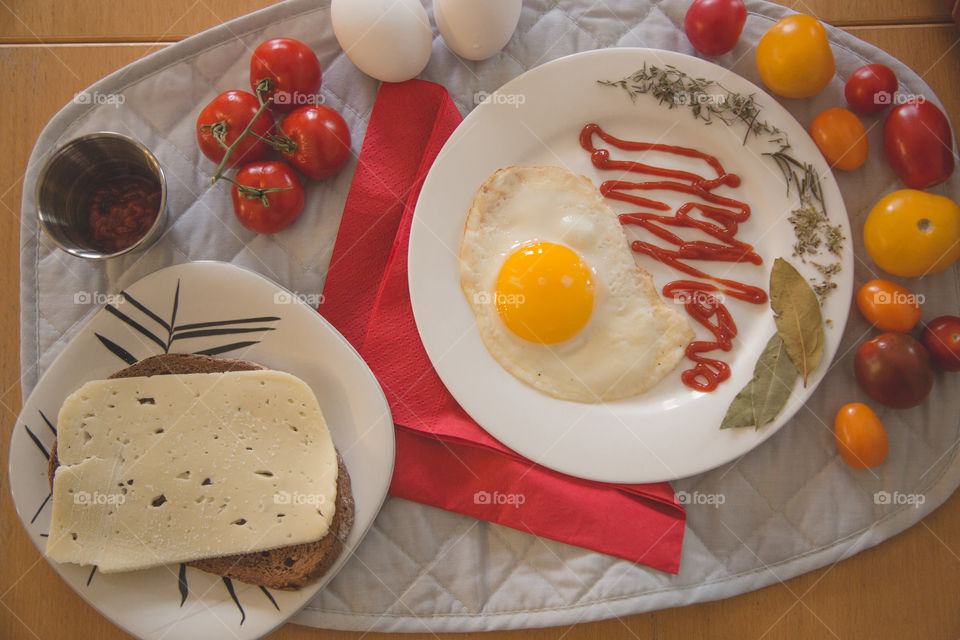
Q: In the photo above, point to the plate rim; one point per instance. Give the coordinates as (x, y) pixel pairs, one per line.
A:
(418, 236)
(309, 591)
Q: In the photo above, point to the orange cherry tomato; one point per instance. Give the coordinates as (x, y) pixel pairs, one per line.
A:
(861, 438)
(888, 306)
(841, 138)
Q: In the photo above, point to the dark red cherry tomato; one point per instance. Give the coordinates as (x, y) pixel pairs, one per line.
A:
(870, 89)
(894, 369)
(941, 337)
(918, 144)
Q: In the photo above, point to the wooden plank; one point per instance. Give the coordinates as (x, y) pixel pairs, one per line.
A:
(30, 21)
(26, 21)
(862, 12)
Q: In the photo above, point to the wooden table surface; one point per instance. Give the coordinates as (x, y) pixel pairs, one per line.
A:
(50, 49)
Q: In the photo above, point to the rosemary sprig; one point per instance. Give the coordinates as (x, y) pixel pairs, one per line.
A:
(707, 99)
(710, 101)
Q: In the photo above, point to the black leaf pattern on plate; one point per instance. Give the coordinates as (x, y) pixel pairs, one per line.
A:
(136, 325)
(150, 314)
(182, 583)
(233, 594)
(270, 596)
(49, 424)
(40, 508)
(116, 349)
(187, 331)
(37, 442)
(46, 456)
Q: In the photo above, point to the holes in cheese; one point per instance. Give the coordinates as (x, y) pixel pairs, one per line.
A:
(142, 484)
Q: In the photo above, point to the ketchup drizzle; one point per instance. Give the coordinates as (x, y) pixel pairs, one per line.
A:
(721, 217)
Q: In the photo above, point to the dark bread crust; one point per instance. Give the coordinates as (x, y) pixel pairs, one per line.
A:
(285, 568)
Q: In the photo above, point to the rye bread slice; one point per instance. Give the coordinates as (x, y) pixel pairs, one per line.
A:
(285, 568)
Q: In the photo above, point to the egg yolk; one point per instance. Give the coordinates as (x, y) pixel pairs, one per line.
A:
(544, 293)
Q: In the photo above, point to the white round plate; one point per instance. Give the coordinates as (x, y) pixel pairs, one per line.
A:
(213, 308)
(671, 431)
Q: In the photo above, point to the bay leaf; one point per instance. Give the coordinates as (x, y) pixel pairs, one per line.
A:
(763, 397)
(797, 313)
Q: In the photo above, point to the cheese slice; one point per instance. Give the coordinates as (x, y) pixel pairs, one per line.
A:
(165, 469)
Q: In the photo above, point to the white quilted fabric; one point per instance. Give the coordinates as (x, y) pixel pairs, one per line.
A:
(789, 506)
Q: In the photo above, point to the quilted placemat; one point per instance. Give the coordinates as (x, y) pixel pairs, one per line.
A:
(787, 507)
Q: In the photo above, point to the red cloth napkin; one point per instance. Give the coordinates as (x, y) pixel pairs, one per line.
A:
(444, 458)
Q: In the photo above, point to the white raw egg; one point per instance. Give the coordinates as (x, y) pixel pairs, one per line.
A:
(389, 40)
(476, 29)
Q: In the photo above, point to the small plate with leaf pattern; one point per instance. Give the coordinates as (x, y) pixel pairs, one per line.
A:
(217, 309)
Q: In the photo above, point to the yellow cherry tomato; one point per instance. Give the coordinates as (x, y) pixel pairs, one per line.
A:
(861, 438)
(794, 57)
(841, 138)
(911, 233)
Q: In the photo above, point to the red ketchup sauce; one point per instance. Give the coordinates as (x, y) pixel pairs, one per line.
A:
(720, 218)
(121, 211)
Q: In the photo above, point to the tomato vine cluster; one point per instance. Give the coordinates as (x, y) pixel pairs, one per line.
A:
(238, 130)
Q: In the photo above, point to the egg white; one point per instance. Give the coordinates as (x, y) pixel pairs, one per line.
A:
(632, 340)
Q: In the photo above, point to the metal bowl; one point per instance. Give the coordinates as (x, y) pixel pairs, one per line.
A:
(74, 171)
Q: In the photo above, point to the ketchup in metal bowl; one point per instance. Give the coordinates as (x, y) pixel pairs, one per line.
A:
(101, 195)
(120, 211)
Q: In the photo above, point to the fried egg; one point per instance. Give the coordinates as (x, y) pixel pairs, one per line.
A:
(558, 298)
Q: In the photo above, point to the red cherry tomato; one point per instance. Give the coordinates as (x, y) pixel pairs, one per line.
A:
(870, 88)
(290, 70)
(918, 144)
(271, 197)
(224, 119)
(941, 337)
(713, 26)
(320, 141)
(894, 369)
